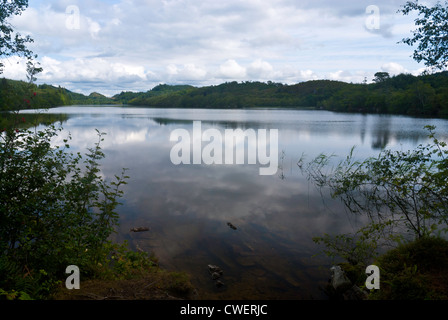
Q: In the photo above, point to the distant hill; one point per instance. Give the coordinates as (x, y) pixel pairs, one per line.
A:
(424, 95)
(22, 95)
(93, 98)
(236, 95)
(96, 95)
(143, 98)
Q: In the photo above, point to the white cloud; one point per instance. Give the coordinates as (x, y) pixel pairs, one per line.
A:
(308, 75)
(348, 76)
(136, 44)
(14, 68)
(260, 69)
(95, 72)
(231, 70)
(393, 68)
(94, 28)
(340, 75)
(187, 73)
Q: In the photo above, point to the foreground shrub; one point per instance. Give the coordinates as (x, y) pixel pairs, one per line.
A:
(417, 270)
(55, 210)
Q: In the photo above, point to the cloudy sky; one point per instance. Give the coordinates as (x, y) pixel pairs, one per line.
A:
(133, 45)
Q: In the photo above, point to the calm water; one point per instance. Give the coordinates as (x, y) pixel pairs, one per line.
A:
(187, 207)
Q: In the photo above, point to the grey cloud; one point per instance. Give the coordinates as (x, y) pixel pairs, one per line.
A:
(347, 8)
(290, 39)
(272, 39)
(385, 30)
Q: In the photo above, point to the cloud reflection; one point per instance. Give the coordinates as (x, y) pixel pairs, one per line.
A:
(188, 206)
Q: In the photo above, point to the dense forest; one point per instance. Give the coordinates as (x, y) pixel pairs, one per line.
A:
(424, 95)
(15, 95)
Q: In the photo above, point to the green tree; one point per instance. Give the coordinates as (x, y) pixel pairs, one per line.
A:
(406, 188)
(403, 195)
(424, 96)
(56, 209)
(431, 33)
(381, 77)
(12, 42)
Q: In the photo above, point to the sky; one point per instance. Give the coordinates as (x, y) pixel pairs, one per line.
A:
(133, 45)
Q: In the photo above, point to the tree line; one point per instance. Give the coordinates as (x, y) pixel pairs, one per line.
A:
(19, 95)
(425, 95)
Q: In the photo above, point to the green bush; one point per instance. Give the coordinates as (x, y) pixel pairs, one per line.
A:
(415, 271)
(122, 263)
(55, 209)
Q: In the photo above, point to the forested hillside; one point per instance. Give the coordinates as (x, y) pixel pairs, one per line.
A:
(425, 95)
(160, 91)
(241, 95)
(16, 95)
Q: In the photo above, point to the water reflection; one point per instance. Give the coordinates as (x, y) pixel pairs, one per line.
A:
(381, 133)
(187, 207)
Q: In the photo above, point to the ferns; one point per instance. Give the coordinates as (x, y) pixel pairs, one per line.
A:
(14, 283)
